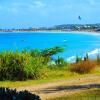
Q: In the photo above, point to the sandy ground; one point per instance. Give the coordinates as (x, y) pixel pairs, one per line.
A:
(64, 87)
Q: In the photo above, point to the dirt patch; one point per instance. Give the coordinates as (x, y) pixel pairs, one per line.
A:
(64, 87)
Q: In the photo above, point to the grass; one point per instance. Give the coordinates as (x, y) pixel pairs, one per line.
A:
(83, 67)
(96, 71)
(92, 94)
(34, 65)
(53, 76)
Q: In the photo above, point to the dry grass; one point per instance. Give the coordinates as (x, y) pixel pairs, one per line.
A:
(83, 67)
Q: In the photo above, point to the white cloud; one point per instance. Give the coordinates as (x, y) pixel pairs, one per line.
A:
(71, 59)
(39, 4)
(45, 9)
(94, 52)
(34, 7)
(91, 54)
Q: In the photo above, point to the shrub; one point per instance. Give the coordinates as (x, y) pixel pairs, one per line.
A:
(60, 62)
(26, 64)
(83, 67)
(10, 94)
(19, 66)
(34, 69)
(12, 65)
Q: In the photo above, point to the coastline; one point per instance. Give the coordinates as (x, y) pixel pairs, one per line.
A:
(57, 32)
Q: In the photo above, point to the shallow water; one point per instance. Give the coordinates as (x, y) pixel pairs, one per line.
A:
(74, 43)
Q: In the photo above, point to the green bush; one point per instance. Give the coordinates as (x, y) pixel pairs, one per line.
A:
(60, 62)
(19, 66)
(34, 68)
(26, 64)
(12, 65)
(10, 94)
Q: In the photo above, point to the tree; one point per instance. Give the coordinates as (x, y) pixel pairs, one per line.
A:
(59, 61)
(78, 59)
(98, 59)
(87, 57)
(52, 51)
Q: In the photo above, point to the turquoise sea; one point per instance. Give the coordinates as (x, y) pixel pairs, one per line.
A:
(74, 43)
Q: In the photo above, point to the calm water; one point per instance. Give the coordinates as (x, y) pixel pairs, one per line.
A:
(74, 43)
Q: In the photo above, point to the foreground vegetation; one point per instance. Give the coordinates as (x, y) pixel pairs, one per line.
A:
(92, 94)
(53, 76)
(26, 64)
(38, 66)
(31, 67)
(10, 94)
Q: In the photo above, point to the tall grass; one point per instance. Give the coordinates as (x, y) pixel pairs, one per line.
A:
(26, 64)
(19, 66)
(83, 67)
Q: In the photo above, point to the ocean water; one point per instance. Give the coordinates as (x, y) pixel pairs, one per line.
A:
(74, 43)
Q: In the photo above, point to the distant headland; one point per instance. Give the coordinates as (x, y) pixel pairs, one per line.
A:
(62, 28)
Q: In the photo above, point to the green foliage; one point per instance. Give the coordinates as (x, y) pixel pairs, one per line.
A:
(19, 66)
(60, 61)
(26, 64)
(12, 65)
(10, 94)
(78, 59)
(35, 67)
(51, 51)
(35, 53)
(87, 56)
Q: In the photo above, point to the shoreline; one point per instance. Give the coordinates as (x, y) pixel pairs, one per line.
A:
(78, 32)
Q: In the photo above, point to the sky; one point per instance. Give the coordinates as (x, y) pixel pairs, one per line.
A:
(38, 13)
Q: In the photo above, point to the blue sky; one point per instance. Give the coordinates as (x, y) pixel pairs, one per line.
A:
(35, 13)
